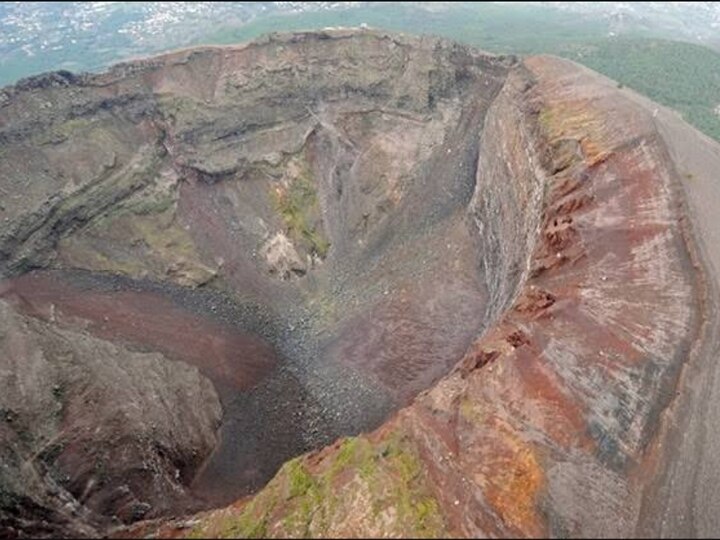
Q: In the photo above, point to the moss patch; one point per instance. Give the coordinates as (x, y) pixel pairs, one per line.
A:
(299, 479)
(360, 489)
(299, 208)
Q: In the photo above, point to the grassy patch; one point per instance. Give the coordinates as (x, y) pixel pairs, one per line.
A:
(360, 478)
(470, 412)
(308, 495)
(252, 522)
(300, 482)
(299, 208)
(246, 526)
(415, 507)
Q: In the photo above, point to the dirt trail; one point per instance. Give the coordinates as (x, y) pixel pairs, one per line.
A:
(683, 500)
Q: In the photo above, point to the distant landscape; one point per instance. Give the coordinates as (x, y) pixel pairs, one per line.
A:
(635, 50)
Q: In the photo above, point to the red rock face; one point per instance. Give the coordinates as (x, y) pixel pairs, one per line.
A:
(557, 405)
(606, 318)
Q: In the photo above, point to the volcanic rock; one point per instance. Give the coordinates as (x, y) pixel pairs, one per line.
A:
(464, 283)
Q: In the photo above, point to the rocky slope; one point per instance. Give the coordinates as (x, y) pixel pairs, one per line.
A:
(480, 262)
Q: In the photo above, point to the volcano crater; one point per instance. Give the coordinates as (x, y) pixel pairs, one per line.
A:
(299, 218)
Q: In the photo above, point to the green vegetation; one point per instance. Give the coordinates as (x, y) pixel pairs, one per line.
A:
(77, 127)
(310, 494)
(158, 204)
(418, 511)
(545, 118)
(299, 207)
(470, 411)
(248, 525)
(300, 480)
(156, 242)
(390, 474)
(679, 75)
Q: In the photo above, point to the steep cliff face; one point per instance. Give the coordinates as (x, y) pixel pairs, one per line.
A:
(474, 260)
(508, 193)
